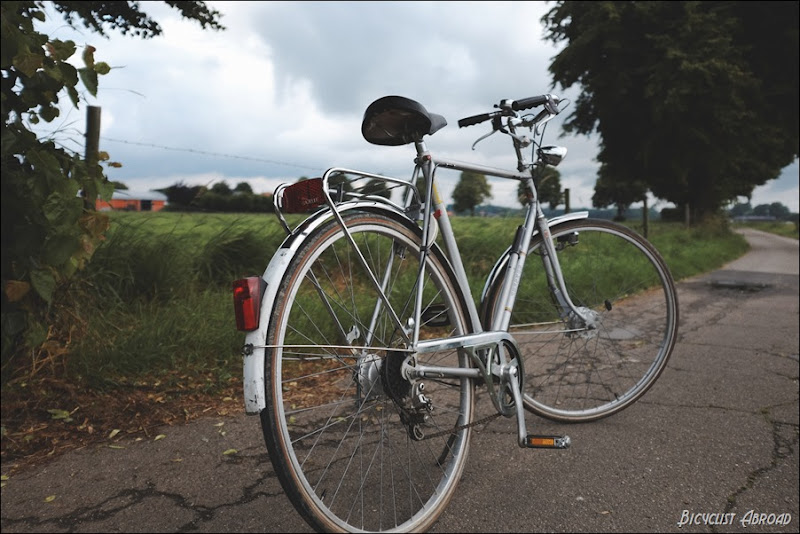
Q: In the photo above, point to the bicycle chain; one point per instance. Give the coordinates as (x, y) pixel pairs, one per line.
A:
(462, 427)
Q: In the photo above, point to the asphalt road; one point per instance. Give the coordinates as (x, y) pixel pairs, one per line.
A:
(713, 447)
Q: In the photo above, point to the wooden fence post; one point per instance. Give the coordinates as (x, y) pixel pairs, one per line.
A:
(645, 216)
(92, 138)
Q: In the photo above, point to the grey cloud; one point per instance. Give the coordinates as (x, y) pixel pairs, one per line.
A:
(286, 84)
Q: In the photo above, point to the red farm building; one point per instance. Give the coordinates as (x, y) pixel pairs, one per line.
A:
(126, 200)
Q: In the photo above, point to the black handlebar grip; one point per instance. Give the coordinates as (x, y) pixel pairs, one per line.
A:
(475, 119)
(527, 103)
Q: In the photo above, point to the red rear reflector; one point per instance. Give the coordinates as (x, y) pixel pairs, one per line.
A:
(247, 302)
(303, 196)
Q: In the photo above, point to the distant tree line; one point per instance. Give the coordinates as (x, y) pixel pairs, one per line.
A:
(472, 190)
(217, 198)
(241, 199)
(776, 210)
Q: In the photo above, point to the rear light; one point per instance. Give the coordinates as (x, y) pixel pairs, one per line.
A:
(247, 294)
(303, 196)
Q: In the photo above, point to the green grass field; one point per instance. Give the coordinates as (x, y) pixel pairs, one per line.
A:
(157, 295)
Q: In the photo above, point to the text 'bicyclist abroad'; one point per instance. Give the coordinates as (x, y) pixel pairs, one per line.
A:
(749, 518)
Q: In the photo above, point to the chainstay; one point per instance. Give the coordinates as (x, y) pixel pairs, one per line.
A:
(456, 428)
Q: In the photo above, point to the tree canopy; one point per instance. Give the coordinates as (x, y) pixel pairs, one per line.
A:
(221, 188)
(548, 187)
(470, 191)
(243, 187)
(128, 18)
(696, 102)
(608, 191)
(50, 228)
(376, 187)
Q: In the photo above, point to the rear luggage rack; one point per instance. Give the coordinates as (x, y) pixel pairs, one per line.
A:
(338, 186)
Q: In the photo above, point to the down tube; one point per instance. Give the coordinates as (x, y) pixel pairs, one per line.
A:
(516, 262)
(451, 247)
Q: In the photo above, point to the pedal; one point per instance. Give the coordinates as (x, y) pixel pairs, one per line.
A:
(525, 440)
(535, 441)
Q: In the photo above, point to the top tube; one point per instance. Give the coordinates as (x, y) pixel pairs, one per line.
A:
(481, 169)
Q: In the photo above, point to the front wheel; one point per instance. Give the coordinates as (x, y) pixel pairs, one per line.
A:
(356, 445)
(579, 372)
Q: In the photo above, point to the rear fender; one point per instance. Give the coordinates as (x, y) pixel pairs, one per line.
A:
(255, 351)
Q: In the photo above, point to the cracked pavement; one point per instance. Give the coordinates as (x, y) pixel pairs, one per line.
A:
(717, 434)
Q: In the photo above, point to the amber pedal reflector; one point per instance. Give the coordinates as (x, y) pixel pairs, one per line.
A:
(547, 442)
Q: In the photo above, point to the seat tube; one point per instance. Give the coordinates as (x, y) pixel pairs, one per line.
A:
(436, 213)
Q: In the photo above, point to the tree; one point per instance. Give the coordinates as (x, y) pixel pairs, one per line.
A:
(342, 181)
(127, 17)
(243, 187)
(610, 190)
(776, 209)
(180, 195)
(740, 209)
(698, 100)
(471, 190)
(420, 185)
(779, 211)
(762, 210)
(50, 228)
(548, 187)
(376, 187)
(221, 188)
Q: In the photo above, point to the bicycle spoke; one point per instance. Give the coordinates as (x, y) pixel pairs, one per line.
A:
(577, 372)
(347, 424)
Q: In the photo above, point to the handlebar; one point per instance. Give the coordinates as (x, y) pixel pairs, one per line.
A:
(550, 102)
(531, 102)
(476, 119)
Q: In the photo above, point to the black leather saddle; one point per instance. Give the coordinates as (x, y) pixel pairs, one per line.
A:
(396, 120)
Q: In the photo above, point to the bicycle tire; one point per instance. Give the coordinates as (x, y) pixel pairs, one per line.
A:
(581, 375)
(338, 424)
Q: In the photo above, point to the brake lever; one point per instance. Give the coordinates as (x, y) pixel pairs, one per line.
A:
(481, 138)
(542, 122)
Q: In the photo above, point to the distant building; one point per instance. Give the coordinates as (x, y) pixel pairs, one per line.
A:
(127, 200)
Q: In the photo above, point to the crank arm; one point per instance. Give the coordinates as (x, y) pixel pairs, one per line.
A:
(525, 440)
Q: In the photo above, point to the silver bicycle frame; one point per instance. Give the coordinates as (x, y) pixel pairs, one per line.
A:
(435, 208)
(534, 216)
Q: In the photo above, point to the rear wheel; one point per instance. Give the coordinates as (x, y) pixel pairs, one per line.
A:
(577, 372)
(355, 444)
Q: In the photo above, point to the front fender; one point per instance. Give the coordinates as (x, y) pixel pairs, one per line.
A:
(499, 267)
(255, 340)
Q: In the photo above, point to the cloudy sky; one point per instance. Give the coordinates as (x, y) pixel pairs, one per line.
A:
(281, 92)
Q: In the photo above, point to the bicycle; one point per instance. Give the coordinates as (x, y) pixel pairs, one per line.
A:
(364, 345)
